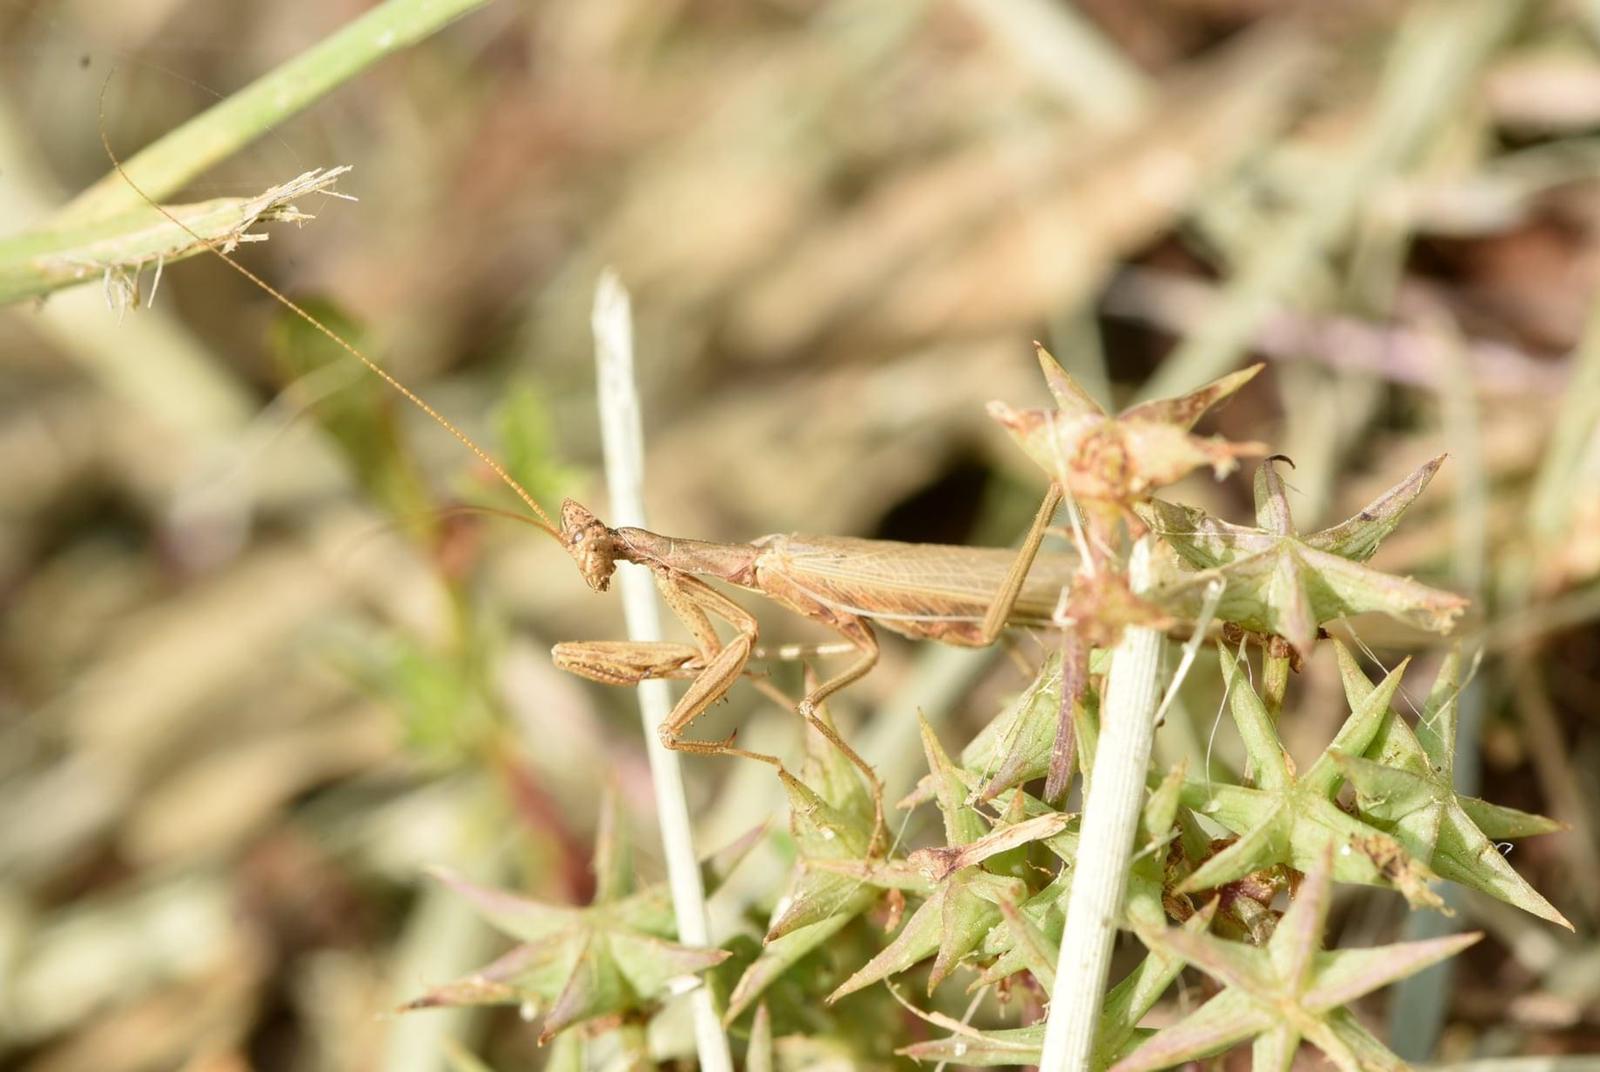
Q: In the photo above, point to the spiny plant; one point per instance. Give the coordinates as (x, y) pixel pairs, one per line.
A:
(985, 905)
(997, 897)
(576, 965)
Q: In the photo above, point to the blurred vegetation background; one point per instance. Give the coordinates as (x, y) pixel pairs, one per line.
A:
(256, 674)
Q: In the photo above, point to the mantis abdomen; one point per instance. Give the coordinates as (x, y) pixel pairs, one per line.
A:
(930, 591)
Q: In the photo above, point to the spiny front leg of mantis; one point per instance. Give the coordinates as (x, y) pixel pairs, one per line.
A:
(628, 662)
(694, 602)
(713, 667)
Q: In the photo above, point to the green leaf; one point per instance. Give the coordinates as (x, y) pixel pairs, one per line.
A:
(1044, 914)
(918, 939)
(983, 1049)
(1287, 991)
(780, 954)
(576, 964)
(1015, 747)
(1293, 821)
(1035, 949)
(822, 832)
(831, 822)
(522, 918)
(566, 1054)
(962, 824)
(1408, 791)
(1357, 537)
(1118, 1032)
(1282, 583)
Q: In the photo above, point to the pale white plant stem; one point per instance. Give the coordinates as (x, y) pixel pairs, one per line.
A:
(623, 440)
(1111, 808)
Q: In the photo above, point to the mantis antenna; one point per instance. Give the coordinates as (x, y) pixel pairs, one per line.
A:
(344, 344)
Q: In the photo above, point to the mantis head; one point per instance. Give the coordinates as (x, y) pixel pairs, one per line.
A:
(592, 545)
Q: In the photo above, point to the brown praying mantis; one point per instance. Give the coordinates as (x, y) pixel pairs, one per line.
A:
(956, 595)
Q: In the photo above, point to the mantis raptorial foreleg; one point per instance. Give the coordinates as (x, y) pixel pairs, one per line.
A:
(692, 600)
(694, 603)
(714, 666)
(628, 662)
(709, 686)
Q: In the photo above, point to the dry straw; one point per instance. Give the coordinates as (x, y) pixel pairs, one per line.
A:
(623, 440)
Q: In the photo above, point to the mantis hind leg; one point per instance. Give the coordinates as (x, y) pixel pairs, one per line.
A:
(880, 828)
(1074, 656)
(1006, 598)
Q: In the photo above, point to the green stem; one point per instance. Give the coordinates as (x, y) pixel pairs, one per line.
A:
(119, 248)
(165, 165)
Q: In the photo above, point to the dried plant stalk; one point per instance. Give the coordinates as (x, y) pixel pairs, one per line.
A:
(1112, 801)
(624, 457)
